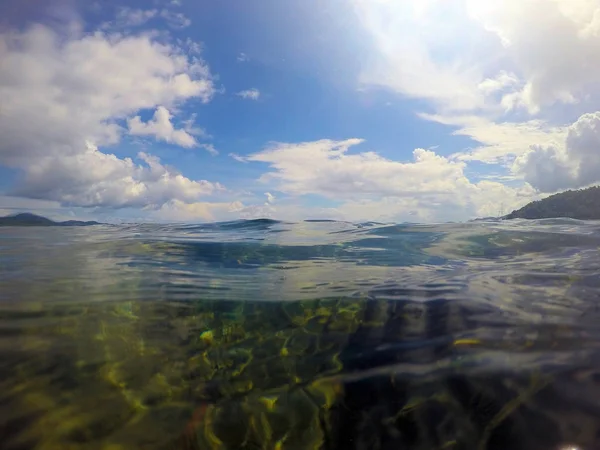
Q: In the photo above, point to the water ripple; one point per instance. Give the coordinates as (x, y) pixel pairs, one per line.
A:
(317, 334)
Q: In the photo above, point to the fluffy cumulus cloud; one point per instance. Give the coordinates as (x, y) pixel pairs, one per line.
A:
(573, 164)
(552, 43)
(510, 74)
(65, 101)
(430, 187)
(94, 178)
(161, 128)
(335, 173)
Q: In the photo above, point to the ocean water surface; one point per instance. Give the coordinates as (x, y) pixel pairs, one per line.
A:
(312, 335)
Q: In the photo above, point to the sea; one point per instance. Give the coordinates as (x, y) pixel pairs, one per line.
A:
(263, 334)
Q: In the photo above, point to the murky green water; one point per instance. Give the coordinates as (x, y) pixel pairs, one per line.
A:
(316, 335)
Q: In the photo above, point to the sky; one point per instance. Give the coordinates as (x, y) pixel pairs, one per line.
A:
(358, 110)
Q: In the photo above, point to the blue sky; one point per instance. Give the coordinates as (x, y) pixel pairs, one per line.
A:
(358, 110)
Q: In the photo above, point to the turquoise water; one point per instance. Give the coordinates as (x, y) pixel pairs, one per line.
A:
(272, 335)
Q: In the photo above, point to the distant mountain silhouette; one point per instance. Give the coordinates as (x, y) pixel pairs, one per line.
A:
(583, 204)
(32, 220)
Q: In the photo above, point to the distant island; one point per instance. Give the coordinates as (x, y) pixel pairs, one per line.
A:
(583, 204)
(32, 220)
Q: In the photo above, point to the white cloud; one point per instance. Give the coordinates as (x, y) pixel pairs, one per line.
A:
(192, 47)
(178, 211)
(500, 142)
(553, 45)
(335, 174)
(127, 18)
(369, 186)
(63, 99)
(130, 17)
(406, 37)
(483, 199)
(249, 94)
(161, 128)
(189, 125)
(210, 149)
(175, 211)
(487, 67)
(238, 158)
(473, 54)
(175, 20)
(500, 82)
(573, 163)
(270, 198)
(261, 212)
(93, 178)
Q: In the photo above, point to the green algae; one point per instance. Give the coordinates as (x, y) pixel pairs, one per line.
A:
(253, 375)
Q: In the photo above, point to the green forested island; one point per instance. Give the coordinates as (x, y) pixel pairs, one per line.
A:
(32, 220)
(581, 204)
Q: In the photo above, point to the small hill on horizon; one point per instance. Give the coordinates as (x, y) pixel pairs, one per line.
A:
(583, 204)
(33, 220)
